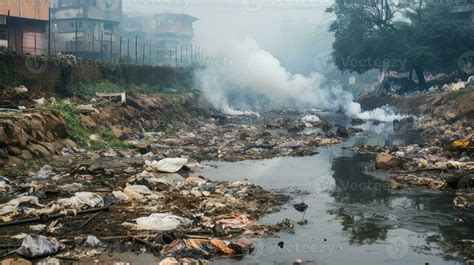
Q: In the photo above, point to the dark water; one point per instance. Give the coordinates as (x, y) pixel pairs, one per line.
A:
(353, 218)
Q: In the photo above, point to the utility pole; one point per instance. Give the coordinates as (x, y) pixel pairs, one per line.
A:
(93, 42)
(8, 30)
(128, 50)
(111, 43)
(120, 50)
(176, 56)
(144, 47)
(101, 45)
(49, 34)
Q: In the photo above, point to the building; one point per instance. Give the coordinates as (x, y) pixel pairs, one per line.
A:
(87, 28)
(171, 35)
(24, 26)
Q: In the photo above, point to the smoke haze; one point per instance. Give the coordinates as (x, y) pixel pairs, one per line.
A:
(244, 77)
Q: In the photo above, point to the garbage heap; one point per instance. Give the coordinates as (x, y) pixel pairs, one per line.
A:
(160, 209)
(235, 140)
(445, 164)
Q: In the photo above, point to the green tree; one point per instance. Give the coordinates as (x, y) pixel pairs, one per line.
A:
(425, 38)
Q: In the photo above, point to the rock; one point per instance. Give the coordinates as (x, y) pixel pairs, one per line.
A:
(122, 133)
(15, 133)
(70, 143)
(13, 150)
(244, 136)
(403, 124)
(356, 121)
(449, 115)
(3, 136)
(386, 161)
(245, 243)
(88, 121)
(14, 161)
(16, 261)
(280, 123)
(39, 150)
(300, 207)
(26, 155)
(143, 147)
(394, 185)
(342, 132)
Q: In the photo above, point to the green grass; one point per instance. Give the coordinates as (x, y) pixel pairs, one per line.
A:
(80, 134)
(86, 91)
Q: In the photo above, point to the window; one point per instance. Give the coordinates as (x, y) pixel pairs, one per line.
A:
(108, 26)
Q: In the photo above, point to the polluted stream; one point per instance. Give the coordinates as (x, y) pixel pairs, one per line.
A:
(353, 217)
(353, 214)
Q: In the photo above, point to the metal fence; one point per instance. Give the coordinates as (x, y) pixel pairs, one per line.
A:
(105, 48)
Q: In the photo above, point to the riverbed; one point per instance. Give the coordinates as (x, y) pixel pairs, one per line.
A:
(353, 217)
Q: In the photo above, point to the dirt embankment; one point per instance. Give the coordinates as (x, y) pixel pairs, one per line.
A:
(144, 114)
(29, 135)
(458, 102)
(40, 132)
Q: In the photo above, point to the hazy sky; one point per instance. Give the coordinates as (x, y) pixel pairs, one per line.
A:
(223, 21)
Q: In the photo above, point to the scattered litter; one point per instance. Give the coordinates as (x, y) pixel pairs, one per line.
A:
(45, 172)
(158, 222)
(35, 246)
(239, 222)
(195, 182)
(38, 227)
(14, 204)
(168, 165)
(82, 199)
(311, 119)
(92, 241)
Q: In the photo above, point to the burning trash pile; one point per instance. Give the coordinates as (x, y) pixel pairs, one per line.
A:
(161, 210)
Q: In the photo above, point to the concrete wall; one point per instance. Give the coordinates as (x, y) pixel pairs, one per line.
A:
(53, 77)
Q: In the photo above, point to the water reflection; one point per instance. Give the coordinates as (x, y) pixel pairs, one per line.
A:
(367, 208)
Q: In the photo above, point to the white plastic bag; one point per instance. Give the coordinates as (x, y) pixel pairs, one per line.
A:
(159, 222)
(13, 205)
(168, 165)
(34, 246)
(81, 199)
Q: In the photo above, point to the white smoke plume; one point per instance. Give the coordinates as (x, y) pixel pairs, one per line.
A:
(244, 72)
